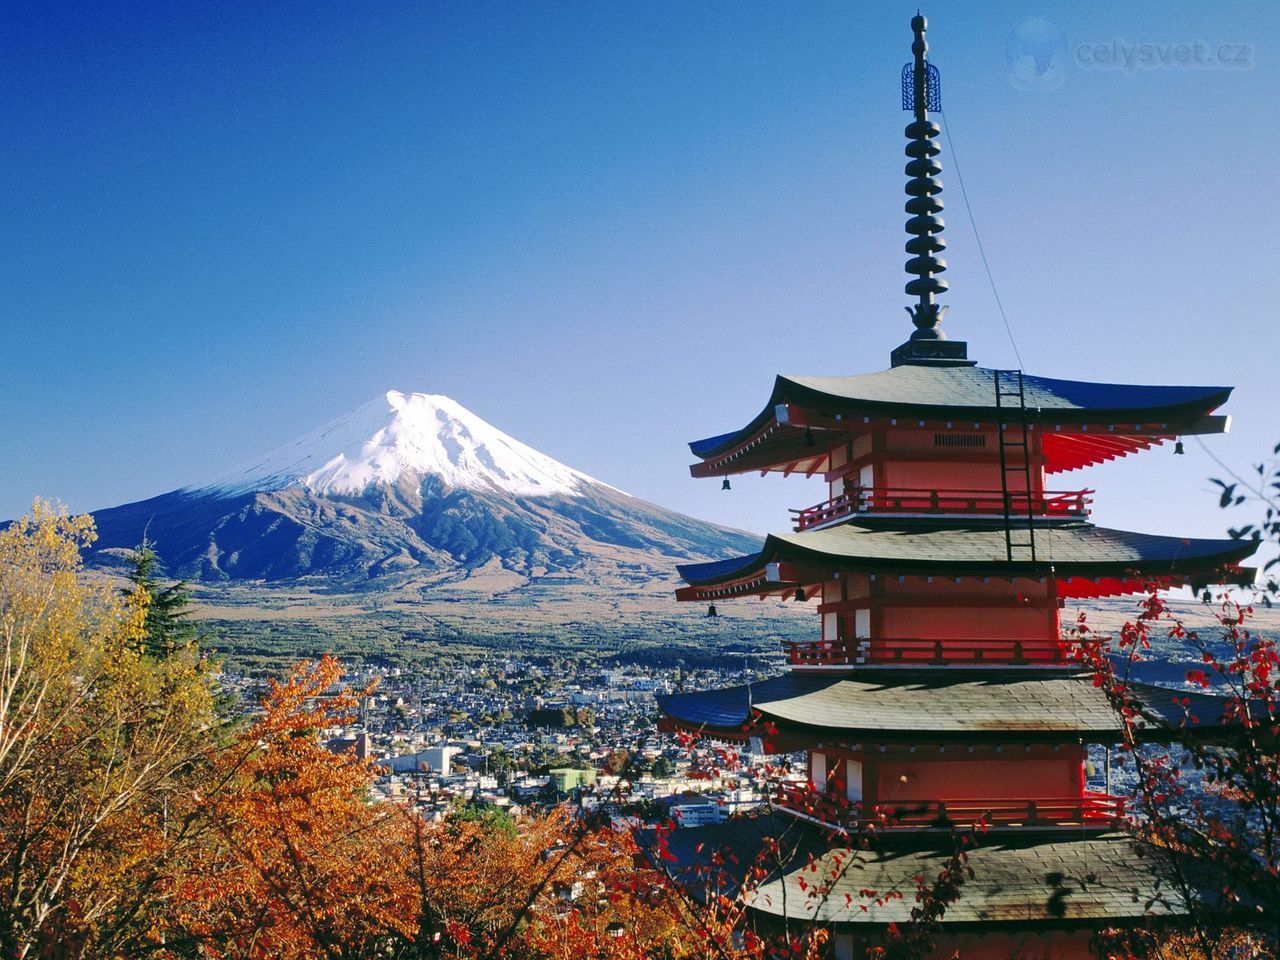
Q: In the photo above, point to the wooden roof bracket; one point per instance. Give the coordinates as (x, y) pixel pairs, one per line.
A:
(1214, 423)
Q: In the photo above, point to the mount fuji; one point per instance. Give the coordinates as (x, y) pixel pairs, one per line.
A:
(407, 483)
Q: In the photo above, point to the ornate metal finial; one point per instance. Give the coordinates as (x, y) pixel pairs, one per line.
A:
(921, 92)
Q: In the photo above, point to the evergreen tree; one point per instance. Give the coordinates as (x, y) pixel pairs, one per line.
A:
(166, 627)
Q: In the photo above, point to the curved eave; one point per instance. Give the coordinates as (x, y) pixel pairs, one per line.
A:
(1016, 883)
(969, 393)
(1012, 884)
(1064, 550)
(880, 706)
(1130, 417)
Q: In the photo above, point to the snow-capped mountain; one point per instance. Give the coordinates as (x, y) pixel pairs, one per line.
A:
(397, 433)
(407, 483)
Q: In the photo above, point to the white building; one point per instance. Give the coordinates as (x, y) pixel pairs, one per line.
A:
(432, 759)
(698, 814)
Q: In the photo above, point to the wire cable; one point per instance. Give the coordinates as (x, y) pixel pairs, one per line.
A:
(964, 194)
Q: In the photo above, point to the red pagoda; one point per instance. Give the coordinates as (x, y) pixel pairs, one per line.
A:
(938, 692)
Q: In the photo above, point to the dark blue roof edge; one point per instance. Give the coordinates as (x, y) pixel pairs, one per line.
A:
(1207, 398)
(727, 708)
(1223, 551)
(713, 445)
(717, 569)
(706, 447)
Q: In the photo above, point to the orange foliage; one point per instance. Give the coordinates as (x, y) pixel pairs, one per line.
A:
(296, 862)
(128, 830)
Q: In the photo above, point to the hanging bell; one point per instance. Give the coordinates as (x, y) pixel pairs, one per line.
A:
(1177, 449)
(800, 594)
(711, 611)
(808, 437)
(725, 484)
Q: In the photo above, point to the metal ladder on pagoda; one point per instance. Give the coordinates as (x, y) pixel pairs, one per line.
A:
(1015, 465)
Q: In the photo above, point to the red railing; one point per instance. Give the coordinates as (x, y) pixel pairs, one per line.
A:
(894, 651)
(1050, 503)
(1097, 810)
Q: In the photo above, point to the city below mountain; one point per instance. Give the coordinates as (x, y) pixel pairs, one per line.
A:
(409, 483)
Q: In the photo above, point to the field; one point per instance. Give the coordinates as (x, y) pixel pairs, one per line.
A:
(417, 621)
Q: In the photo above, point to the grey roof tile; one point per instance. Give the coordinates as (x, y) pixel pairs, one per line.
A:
(1098, 878)
(969, 392)
(935, 702)
(972, 548)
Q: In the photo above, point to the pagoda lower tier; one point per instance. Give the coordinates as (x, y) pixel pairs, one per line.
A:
(901, 764)
(917, 751)
(797, 710)
(1061, 891)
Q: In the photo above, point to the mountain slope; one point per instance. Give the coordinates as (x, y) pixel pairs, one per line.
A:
(398, 434)
(407, 484)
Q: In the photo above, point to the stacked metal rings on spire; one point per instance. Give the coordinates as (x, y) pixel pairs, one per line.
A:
(923, 188)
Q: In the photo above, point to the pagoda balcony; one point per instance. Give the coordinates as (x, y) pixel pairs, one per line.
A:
(1090, 811)
(882, 501)
(902, 652)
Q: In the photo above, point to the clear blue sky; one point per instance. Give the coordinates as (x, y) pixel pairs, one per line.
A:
(602, 226)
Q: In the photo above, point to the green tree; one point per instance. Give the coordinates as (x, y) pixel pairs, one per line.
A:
(500, 760)
(662, 767)
(167, 626)
(494, 818)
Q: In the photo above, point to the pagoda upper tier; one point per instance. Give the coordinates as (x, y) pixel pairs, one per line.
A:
(1078, 423)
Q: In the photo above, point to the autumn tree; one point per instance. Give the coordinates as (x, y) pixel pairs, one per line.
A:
(95, 736)
(616, 761)
(295, 861)
(1214, 803)
(131, 825)
(554, 888)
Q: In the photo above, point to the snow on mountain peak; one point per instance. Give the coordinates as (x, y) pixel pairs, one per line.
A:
(406, 432)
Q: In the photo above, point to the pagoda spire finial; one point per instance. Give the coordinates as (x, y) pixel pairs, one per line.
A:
(920, 94)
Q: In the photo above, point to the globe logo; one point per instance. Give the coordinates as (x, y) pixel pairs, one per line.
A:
(1037, 53)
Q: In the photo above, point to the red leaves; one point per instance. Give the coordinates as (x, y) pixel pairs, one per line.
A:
(458, 933)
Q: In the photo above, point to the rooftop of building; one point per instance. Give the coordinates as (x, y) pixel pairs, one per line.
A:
(968, 547)
(929, 705)
(1034, 883)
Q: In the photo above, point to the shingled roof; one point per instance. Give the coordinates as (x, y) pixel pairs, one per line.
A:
(937, 705)
(1028, 881)
(976, 549)
(1078, 881)
(968, 393)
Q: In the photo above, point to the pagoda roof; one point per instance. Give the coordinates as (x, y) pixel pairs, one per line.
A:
(965, 394)
(1060, 883)
(931, 705)
(970, 548)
